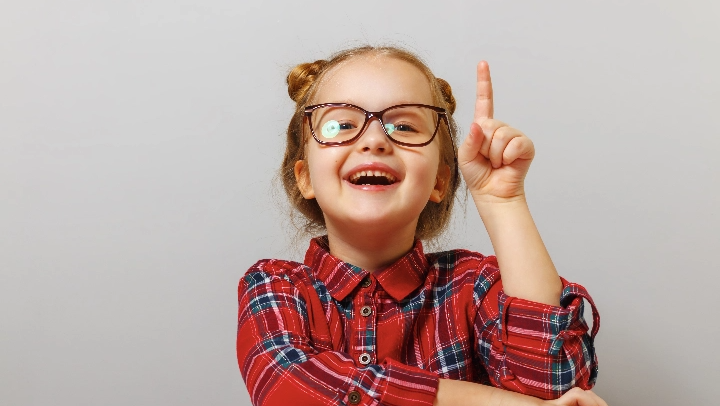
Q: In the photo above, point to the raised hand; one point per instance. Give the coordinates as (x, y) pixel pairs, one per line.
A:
(494, 158)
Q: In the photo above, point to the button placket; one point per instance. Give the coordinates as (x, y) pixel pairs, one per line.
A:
(366, 340)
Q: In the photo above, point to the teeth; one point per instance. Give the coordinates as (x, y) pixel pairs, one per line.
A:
(357, 175)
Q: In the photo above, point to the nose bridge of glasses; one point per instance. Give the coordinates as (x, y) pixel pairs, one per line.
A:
(370, 116)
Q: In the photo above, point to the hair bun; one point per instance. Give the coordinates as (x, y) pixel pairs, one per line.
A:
(301, 77)
(446, 91)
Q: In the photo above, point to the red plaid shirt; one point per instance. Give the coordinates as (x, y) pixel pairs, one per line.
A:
(326, 332)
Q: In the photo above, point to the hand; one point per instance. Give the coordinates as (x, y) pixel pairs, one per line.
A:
(577, 397)
(494, 158)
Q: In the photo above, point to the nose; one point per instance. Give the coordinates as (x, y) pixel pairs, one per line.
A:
(374, 137)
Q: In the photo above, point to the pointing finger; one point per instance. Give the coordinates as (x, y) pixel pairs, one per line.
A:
(484, 100)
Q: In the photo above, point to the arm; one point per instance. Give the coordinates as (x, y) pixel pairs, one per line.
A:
(461, 393)
(531, 334)
(530, 347)
(526, 268)
(494, 160)
(280, 365)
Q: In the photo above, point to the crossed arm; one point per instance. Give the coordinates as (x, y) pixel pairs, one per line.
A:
(461, 393)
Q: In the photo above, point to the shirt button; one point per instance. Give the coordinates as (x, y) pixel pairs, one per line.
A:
(366, 282)
(354, 397)
(366, 311)
(364, 358)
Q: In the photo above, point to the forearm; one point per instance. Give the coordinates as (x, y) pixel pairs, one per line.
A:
(460, 393)
(525, 266)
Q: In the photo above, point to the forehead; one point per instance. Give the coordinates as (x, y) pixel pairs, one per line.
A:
(374, 82)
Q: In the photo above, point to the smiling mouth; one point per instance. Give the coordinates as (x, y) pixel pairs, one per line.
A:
(372, 178)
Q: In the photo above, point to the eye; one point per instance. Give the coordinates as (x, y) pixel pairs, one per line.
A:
(405, 127)
(331, 129)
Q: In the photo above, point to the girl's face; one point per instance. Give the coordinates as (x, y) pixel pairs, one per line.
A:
(329, 173)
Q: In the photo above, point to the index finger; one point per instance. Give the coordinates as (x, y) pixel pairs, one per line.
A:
(484, 100)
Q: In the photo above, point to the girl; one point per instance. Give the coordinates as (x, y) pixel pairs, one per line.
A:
(369, 318)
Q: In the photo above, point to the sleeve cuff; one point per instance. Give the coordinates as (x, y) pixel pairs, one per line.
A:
(538, 327)
(407, 385)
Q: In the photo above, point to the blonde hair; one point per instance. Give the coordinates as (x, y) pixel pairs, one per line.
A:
(302, 84)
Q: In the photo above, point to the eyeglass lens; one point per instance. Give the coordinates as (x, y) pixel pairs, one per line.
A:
(408, 124)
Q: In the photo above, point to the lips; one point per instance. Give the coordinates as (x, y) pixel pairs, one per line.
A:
(372, 174)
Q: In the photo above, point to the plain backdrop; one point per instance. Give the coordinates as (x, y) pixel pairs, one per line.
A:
(139, 141)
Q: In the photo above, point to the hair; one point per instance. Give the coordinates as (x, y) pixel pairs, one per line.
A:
(303, 81)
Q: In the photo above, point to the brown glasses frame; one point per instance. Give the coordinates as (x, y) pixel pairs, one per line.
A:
(369, 115)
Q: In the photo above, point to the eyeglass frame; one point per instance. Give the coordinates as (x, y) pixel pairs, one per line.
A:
(369, 115)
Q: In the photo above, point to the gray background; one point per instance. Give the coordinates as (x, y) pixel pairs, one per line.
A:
(139, 140)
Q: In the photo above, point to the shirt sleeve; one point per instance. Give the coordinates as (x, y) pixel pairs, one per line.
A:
(280, 365)
(535, 348)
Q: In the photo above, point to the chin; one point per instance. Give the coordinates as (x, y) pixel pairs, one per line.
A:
(379, 219)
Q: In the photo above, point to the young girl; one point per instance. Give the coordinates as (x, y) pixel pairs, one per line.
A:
(370, 319)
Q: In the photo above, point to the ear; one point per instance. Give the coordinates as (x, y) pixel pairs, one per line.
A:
(441, 184)
(302, 178)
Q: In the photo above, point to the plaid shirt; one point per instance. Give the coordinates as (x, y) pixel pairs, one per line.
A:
(326, 332)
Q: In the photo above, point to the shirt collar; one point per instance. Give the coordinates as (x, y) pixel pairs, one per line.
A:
(340, 278)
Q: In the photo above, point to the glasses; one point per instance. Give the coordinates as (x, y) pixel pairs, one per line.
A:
(409, 125)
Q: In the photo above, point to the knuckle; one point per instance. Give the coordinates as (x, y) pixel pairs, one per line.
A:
(521, 142)
(505, 132)
(499, 133)
(489, 125)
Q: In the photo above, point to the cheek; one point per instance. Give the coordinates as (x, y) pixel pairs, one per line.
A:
(323, 164)
(427, 167)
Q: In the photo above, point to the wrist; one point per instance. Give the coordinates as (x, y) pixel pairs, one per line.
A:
(492, 208)
(484, 200)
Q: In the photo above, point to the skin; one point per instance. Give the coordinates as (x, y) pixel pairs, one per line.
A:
(372, 229)
(461, 393)
(494, 160)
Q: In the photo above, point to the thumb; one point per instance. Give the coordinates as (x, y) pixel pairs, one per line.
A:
(470, 148)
